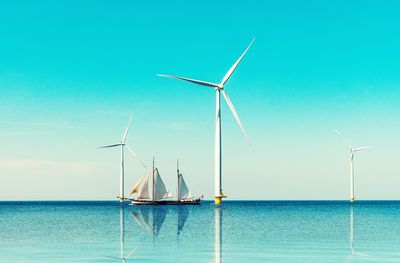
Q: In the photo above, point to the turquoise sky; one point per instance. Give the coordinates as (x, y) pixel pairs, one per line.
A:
(71, 72)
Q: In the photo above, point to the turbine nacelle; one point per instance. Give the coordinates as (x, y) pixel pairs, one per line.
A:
(220, 86)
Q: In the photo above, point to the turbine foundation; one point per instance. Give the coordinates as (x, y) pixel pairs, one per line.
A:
(218, 199)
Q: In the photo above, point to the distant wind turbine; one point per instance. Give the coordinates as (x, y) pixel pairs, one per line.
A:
(123, 145)
(352, 151)
(219, 88)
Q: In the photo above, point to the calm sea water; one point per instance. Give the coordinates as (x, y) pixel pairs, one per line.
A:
(255, 231)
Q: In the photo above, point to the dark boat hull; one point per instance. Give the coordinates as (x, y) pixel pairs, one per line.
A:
(166, 202)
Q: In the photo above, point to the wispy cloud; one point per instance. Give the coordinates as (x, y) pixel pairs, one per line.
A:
(48, 166)
(45, 124)
(23, 133)
(173, 125)
(105, 112)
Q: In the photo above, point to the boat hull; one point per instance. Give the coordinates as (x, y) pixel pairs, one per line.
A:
(166, 202)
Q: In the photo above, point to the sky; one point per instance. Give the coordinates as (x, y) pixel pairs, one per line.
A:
(72, 72)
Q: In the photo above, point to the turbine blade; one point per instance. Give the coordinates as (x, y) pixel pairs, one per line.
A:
(131, 252)
(199, 82)
(235, 115)
(362, 254)
(127, 129)
(361, 148)
(135, 155)
(116, 258)
(109, 146)
(234, 66)
(344, 140)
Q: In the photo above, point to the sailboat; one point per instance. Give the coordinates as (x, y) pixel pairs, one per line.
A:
(160, 195)
(184, 195)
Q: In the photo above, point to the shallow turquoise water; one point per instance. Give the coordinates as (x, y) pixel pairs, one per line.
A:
(252, 231)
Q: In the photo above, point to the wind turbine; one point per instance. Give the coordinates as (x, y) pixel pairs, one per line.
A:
(123, 145)
(352, 151)
(219, 88)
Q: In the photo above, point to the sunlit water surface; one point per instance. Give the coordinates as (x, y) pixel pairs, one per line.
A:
(251, 231)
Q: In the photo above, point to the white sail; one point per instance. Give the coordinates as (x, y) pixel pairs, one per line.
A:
(135, 189)
(160, 191)
(184, 192)
(144, 191)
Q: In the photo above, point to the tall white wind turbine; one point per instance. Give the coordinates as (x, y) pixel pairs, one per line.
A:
(122, 144)
(352, 151)
(219, 88)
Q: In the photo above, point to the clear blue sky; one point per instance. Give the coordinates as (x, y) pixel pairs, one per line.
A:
(72, 71)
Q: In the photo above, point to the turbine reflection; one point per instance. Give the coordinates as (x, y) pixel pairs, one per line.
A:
(218, 234)
(353, 251)
(122, 256)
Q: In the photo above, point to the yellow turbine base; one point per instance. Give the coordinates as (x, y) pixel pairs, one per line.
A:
(218, 199)
(352, 199)
(121, 199)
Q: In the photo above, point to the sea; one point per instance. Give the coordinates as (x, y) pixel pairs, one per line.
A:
(236, 231)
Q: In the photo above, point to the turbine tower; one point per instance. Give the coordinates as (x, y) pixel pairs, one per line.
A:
(352, 151)
(123, 145)
(219, 88)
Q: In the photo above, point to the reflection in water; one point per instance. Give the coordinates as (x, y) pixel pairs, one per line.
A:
(297, 232)
(352, 230)
(122, 256)
(218, 234)
(351, 237)
(158, 215)
(183, 214)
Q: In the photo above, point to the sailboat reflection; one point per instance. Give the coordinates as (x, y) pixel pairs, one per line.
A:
(158, 215)
(351, 237)
(218, 234)
(122, 256)
(183, 214)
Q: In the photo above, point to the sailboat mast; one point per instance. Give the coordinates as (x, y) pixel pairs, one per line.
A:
(153, 181)
(177, 170)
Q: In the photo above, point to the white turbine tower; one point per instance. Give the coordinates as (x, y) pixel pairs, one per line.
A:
(123, 145)
(219, 88)
(352, 151)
